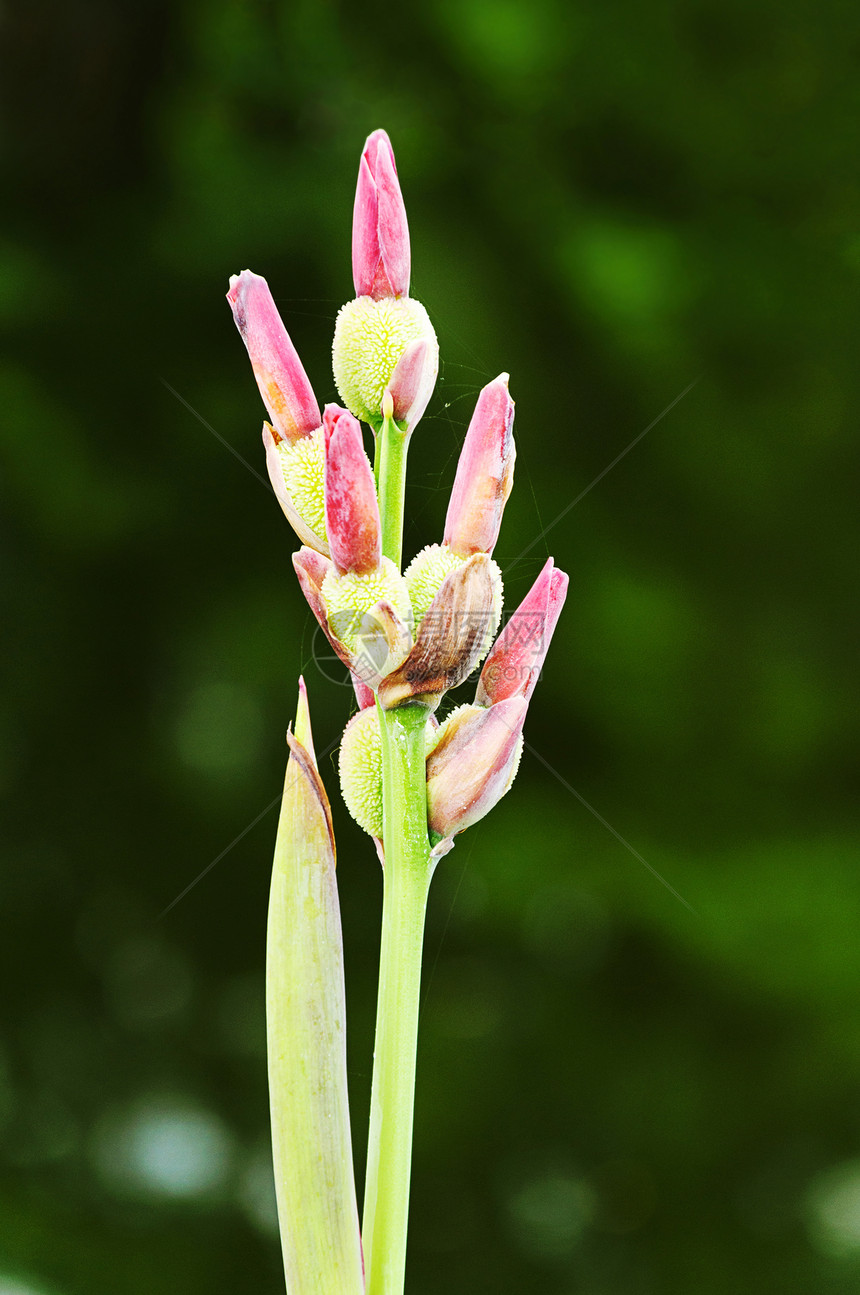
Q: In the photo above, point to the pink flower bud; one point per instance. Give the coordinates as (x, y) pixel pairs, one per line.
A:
(513, 666)
(351, 507)
(413, 380)
(473, 764)
(283, 383)
(485, 473)
(380, 234)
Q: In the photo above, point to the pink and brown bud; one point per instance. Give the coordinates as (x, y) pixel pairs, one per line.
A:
(284, 386)
(451, 640)
(473, 764)
(380, 233)
(412, 381)
(485, 473)
(351, 506)
(513, 666)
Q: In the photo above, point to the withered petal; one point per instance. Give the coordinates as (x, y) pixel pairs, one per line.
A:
(450, 640)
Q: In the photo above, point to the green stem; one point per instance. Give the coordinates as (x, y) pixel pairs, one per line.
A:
(391, 447)
(408, 869)
(376, 457)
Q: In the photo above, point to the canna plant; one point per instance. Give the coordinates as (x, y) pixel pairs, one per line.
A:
(413, 783)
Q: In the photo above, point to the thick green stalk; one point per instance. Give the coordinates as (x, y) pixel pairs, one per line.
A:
(391, 448)
(406, 880)
(408, 869)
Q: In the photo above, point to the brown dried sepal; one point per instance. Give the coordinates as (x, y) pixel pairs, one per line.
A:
(452, 636)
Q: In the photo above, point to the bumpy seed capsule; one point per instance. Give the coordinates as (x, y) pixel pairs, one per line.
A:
(428, 569)
(370, 338)
(360, 766)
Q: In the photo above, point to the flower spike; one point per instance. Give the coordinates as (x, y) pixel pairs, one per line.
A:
(380, 233)
(406, 637)
(283, 383)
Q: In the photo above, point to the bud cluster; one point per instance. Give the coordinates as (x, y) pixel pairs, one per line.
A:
(406, 638)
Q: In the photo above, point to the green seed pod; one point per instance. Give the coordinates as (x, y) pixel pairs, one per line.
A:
(349, 597)
(369, 338)
(302, 463)
(360, 766)
(424, 577)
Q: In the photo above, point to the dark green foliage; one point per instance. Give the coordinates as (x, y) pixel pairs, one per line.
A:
(616, 1096)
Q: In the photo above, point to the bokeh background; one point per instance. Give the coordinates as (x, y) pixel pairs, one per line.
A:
(616, 1094)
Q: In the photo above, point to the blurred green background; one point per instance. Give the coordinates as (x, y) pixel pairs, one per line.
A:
(617, 1096)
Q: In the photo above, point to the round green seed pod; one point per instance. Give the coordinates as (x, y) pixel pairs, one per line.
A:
(360, 766)
(424, 577)
(303, 466)
(425, 574)
(369, 338)
(350, 596)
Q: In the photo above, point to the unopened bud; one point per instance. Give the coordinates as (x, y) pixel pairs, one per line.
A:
(351, 507)
(369, 339)
(283, 383)
(380, 234)
(473, 763)
(485, 473)
(516, 658)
